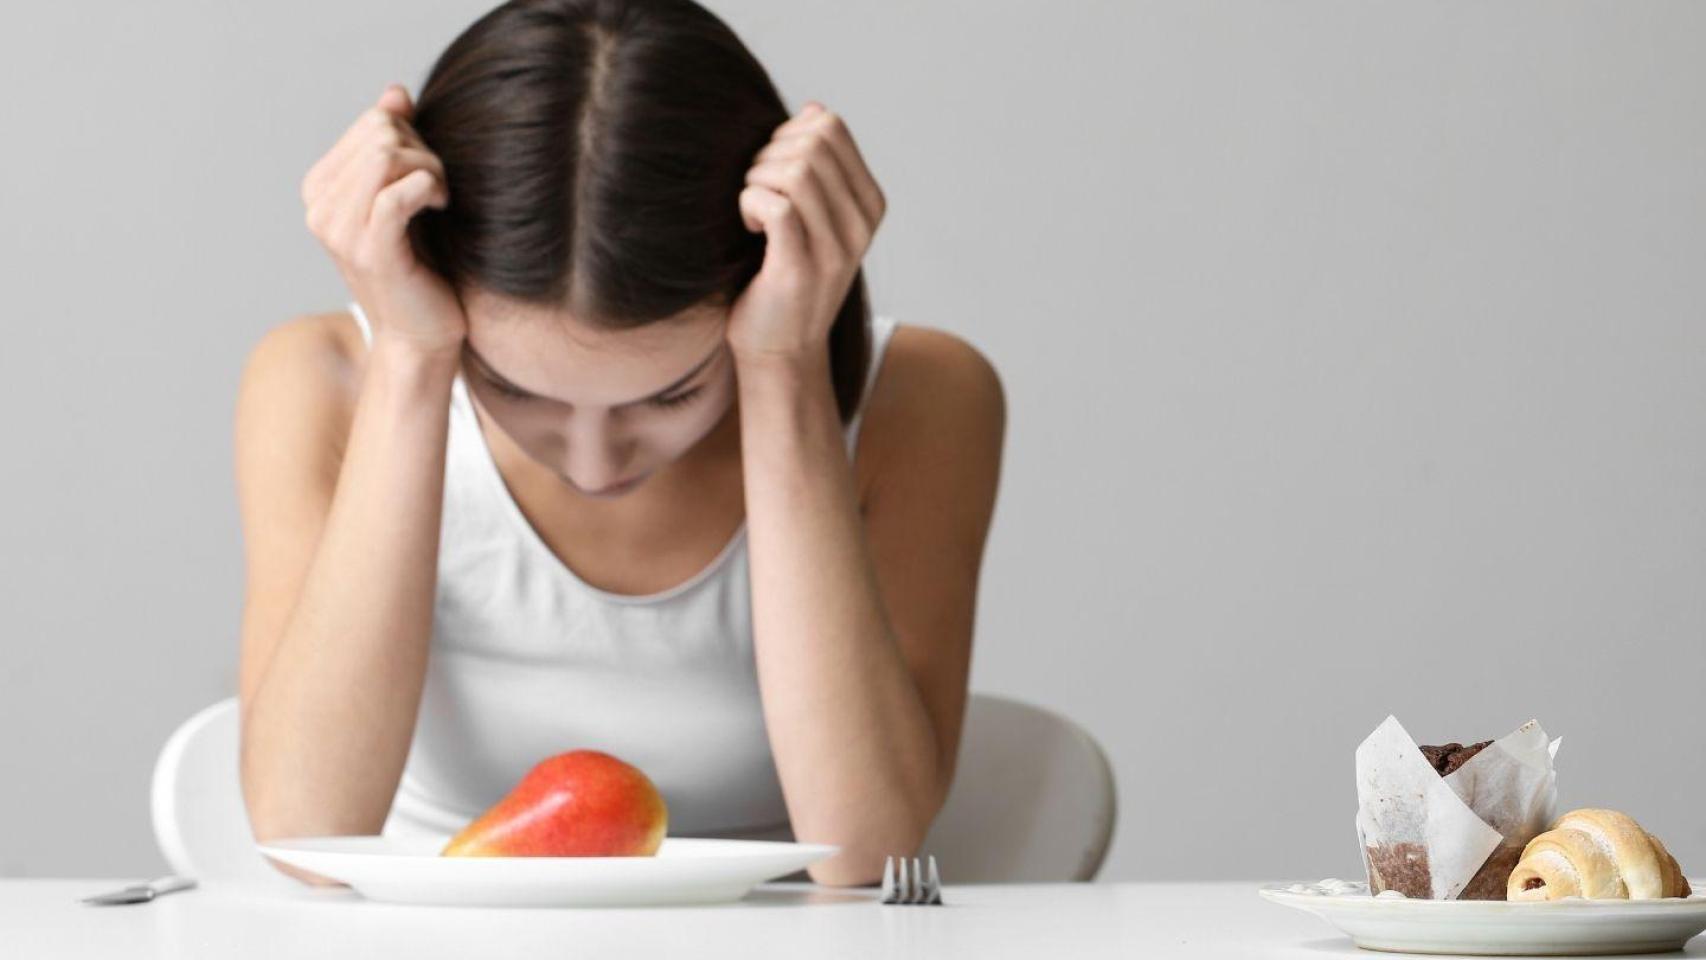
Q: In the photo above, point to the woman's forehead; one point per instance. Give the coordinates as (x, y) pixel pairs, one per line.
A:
(551, 353)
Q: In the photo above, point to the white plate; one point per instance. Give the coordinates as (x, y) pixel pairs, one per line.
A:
(409, 870)
(1497, 927)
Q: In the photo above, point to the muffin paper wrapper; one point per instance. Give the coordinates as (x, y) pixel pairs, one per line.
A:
(1428, 836)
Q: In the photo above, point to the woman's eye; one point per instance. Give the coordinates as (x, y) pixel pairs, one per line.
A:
(677, 399)
(506, 391)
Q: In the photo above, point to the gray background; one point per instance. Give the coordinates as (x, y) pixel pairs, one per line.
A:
(1353, 353)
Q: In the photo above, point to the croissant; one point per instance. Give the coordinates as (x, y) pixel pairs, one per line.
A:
(1597, 855)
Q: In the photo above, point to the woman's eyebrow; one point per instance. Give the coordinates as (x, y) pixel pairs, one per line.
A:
(507, 384)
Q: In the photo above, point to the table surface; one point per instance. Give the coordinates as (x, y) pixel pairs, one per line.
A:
(44, 918)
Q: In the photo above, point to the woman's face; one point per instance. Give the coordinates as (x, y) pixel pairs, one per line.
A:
(603, 409)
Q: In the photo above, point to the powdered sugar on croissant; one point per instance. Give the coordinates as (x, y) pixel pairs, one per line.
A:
(1596, 854)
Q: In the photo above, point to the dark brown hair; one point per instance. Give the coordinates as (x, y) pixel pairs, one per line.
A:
(594, 153)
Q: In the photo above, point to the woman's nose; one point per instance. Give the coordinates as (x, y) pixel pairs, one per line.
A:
(597, 455)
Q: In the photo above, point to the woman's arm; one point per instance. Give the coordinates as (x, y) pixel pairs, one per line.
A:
(862, 665)
(341, 547)
(341, 501)
(863, 625)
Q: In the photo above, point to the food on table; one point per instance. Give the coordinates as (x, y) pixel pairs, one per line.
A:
(1598, 855)
(1404, 866)
(1449, 757)
(1488, 882)
(584, 803)
(1449, 821)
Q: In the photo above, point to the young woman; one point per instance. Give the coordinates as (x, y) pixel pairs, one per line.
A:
(609, 452)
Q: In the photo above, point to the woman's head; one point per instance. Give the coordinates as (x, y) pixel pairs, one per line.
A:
(594, 153)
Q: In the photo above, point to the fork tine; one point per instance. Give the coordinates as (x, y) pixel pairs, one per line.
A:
(906, 880)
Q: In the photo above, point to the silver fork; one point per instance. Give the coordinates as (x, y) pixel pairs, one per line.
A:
(908, 884)
(143, 892)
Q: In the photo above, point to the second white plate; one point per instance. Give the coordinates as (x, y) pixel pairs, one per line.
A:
(1497, 927)
(685, 870)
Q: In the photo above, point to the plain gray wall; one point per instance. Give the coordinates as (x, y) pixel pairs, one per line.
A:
(1354, 355)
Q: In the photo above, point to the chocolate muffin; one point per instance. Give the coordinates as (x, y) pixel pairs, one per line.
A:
(1449, 757)
(1404, 866)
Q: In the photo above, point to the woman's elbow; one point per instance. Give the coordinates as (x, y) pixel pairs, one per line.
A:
(860, 862)
(849, 868)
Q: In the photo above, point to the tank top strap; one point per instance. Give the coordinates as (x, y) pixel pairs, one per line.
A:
(361, 321)
(882, 328)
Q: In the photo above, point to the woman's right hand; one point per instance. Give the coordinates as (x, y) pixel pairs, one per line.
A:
(360, 197)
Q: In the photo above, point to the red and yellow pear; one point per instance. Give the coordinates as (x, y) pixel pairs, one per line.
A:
(584, 803)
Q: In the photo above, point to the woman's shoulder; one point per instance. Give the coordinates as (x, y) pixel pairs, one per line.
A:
(928, 366)
(306, 369)
(329, 342)
(932, 384)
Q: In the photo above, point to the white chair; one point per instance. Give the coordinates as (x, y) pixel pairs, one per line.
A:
(200, 821)
(1033, 800)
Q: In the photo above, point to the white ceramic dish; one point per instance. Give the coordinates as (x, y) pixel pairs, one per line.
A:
(409, 870)
(1498, 928)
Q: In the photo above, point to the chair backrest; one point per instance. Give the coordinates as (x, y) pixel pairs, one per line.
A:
(1033, 801)
(200, 821)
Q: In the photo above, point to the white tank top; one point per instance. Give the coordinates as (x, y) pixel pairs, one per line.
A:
(528, 660)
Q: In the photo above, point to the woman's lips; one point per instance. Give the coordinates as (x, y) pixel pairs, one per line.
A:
(615, 488)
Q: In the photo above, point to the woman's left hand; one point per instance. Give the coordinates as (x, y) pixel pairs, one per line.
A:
(811, 195)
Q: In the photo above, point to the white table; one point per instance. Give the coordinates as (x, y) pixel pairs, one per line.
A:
(43, 918)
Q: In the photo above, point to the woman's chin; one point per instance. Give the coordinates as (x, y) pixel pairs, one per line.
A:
(611, 492)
